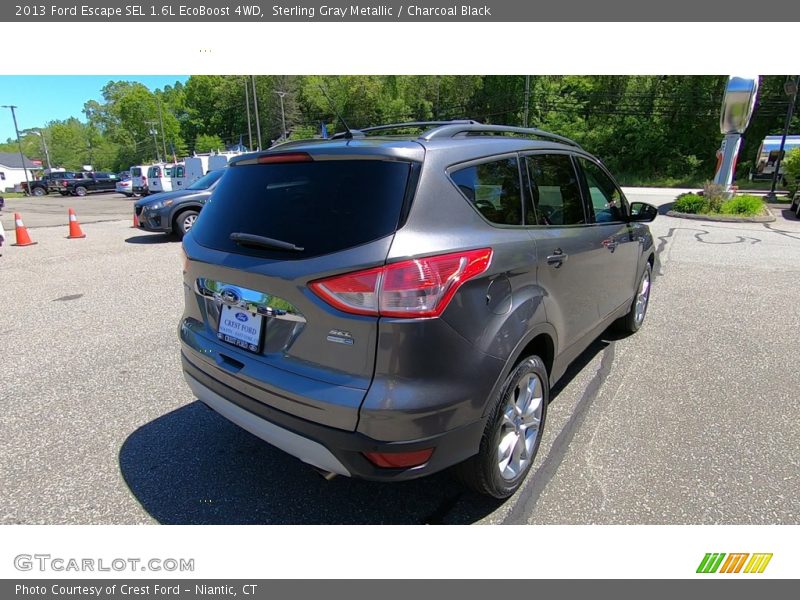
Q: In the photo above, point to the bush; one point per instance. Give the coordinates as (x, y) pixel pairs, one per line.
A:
(746, 206)
(791, 170)
(714, 195)
(690, 203)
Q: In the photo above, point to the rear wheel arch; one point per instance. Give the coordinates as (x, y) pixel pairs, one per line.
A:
(542, 341)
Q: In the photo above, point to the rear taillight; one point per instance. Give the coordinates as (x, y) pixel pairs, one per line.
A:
(422, 287)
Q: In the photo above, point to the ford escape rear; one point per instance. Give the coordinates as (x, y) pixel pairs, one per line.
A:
(388, 307)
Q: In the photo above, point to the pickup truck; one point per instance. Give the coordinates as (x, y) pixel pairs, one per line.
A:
(49, 182)
(89, 181)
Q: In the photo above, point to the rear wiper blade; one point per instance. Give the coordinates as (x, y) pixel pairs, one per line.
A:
(264, 242)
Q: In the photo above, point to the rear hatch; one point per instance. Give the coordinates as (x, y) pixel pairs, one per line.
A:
(326, 216)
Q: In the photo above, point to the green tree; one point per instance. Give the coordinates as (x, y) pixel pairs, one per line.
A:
(208, 143)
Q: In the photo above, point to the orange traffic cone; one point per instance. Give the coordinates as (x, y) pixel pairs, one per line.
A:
(135, 221)
(23, 239)
(74, 227)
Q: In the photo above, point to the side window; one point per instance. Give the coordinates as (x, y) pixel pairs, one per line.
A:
(179, 171)
(493, 188)
(2, 176)
(606, 198)
(555, 190)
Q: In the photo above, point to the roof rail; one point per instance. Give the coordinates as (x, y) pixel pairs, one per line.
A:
(408, 125)
(418, 124)
(452, 130)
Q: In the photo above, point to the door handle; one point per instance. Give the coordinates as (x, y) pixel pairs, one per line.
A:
(557, 258)
(610, 244)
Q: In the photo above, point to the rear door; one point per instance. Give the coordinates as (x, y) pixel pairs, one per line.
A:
(341, 215)
(565, 268)
(105, 181)
(154, 175)
(179, 177)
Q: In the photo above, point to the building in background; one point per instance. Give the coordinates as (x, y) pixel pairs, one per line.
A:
(12, 171)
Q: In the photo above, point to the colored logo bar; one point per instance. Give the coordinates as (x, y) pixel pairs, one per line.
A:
(734, 563)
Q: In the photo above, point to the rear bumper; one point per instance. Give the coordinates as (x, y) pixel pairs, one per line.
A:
(324, 447)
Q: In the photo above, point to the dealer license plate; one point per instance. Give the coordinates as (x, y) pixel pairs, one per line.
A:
(240, 327)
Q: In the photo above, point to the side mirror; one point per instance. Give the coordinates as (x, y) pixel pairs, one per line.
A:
(641, 212)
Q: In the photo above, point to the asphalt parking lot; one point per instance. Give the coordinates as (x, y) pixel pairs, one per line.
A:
(694, 420)
(51, 210)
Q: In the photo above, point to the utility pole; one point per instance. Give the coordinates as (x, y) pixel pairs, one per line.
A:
(154, 132)
(255, 105)
(19, 143)
(527, 99)
(791, 90)
(283, 114)
(249, 125)
(163, 134)
(46, 153)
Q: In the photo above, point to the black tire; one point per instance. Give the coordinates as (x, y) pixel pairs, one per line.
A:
(482, 472)
(184, 221)
(37, 191)
(631, 323)
(80, 191)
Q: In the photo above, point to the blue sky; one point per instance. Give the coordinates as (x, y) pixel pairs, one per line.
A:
(43, 98)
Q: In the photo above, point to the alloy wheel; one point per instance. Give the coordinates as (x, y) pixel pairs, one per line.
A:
(519, 428)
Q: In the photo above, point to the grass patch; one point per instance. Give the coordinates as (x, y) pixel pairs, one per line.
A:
(747, 206)
(743, 205)
(12, 195)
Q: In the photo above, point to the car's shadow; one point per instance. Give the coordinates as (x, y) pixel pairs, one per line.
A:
(191, 466)
(789, 215)
(151, 238)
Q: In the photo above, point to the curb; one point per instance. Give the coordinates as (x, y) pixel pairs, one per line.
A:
(723, 218)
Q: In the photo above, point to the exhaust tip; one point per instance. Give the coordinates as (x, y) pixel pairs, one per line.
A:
(326, 475)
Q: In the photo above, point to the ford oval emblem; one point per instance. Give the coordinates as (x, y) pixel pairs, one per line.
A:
(241, 317)
(230, 296)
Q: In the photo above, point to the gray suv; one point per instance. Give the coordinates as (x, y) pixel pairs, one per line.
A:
(386, 306)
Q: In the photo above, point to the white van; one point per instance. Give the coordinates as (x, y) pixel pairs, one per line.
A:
(220, 161)
(159, 177)
(194, 168)
(139, 179)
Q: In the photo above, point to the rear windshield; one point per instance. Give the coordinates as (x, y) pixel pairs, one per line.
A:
(323, 206)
